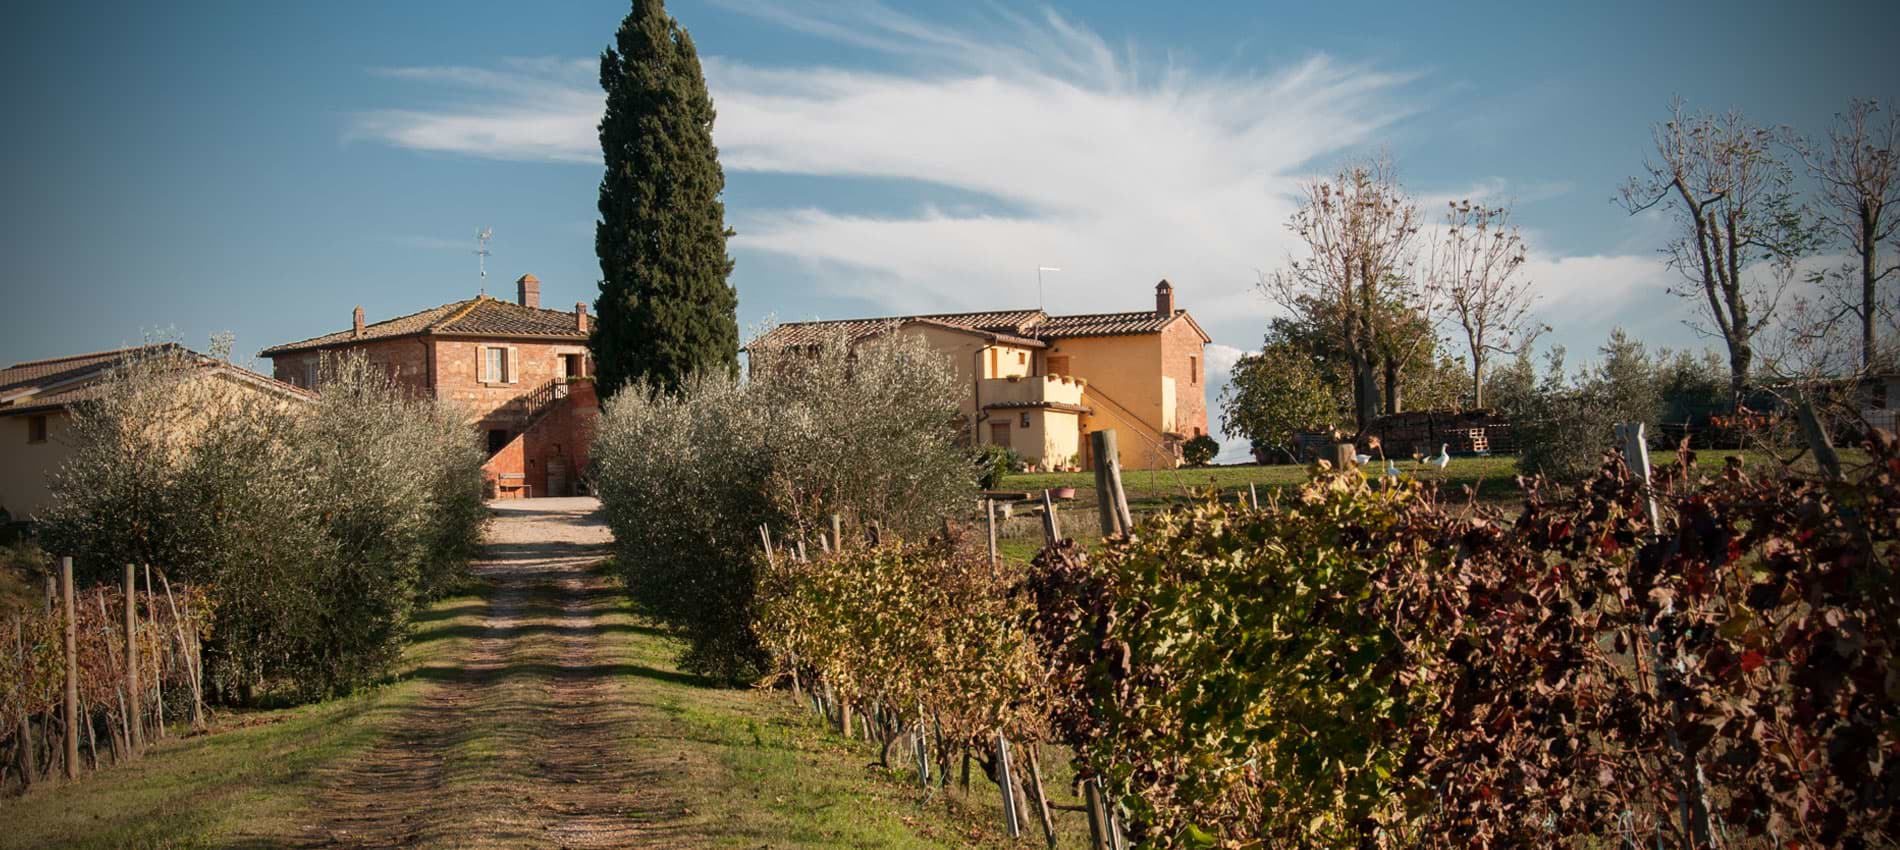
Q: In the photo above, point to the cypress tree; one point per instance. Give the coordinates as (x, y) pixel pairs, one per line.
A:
(665, 309)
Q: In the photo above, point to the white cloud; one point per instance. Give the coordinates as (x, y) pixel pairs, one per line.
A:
(1121, 172)
(1221, 358)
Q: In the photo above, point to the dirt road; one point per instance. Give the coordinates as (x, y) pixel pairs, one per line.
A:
(517, 745)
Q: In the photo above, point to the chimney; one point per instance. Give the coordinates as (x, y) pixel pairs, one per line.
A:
(357, 321)
(530, 289)
(1164, 298)
(580, 316)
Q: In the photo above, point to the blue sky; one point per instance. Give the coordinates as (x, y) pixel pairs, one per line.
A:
(263, 168)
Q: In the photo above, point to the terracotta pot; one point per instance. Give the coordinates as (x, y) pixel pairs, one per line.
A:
(1062, 493)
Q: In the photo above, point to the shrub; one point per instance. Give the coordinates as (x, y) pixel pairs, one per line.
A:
(932, 627)
(686, 480)
(992, 463)
(1200, 451)
(1357, 666)
(314, 528)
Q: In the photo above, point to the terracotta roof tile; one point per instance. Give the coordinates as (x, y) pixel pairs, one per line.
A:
(480, 316)
(1021, 327)
(49, 384)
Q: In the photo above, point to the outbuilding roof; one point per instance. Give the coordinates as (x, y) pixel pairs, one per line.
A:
(41, 385)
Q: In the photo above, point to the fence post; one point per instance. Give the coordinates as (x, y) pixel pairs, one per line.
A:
(1011, 818)
(1636, 457)
(989, 519)
(1102, 446)
(1099, 829)
(137, 717)
(1051, 524)
(72, 669)
(1694, 803)
(1253, 495)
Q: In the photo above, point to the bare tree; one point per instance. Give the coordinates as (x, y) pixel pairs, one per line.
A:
(1857, 177)
(1734, 209)
(1359, 228)
(1475, 263)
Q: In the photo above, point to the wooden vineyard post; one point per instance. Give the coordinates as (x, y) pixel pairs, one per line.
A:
(1693, 800)
(1116, 489)
(922, 746)
(989, 521)
(1253, 495)
(137, 717)
(837, 532)
(72, 669)
(1636, 456)
(1099, 827)
(1102, 445)
(1345, 455)
(1042, 796)
(1012, 819)
(1051, 524)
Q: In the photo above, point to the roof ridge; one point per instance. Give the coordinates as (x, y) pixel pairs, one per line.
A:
(458, 314)
(49, 360)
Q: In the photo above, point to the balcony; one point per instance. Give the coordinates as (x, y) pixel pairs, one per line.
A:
(1032, 390)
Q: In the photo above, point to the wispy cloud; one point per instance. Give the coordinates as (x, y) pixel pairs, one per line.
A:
(1080, 154)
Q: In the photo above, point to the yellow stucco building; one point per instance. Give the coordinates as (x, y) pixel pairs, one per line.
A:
(36, 401)
(1040, 384)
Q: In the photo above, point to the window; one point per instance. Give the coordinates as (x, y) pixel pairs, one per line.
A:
(572, 366)
(1020, 358)
(1194, 369)
(310, 374)
(36, 429)
(999, 433)
(495, 369)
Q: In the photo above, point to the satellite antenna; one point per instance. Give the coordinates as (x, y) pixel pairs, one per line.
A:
(1039, 271)
(482, 253)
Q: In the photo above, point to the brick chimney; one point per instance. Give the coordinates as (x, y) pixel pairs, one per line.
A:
(1164, 298)
(580, 316)
(529, 288)
(356, 321)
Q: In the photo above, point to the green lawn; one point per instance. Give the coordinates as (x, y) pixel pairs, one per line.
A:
(1494, 479)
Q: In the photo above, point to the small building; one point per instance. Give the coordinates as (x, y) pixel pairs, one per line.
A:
(522, 373)
(1039, 384)
(36, 412)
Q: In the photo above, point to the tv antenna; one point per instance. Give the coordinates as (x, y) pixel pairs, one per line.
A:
(1039, 271)
(482, 253)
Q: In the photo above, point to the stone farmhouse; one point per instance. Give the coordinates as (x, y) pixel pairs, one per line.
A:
(1039, 384)
(36, 412)
(521, 372)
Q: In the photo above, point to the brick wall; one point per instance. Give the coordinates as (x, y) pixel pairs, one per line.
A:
(407, 359)
(552, 454)
(460, 378)
(1184, 358)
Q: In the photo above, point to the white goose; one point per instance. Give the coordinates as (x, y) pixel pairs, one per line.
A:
(1442, 459)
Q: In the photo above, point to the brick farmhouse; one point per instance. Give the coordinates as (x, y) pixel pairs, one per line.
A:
(522, 373)
(1039, 384)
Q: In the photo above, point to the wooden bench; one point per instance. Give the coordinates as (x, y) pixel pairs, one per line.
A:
(513, 483)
